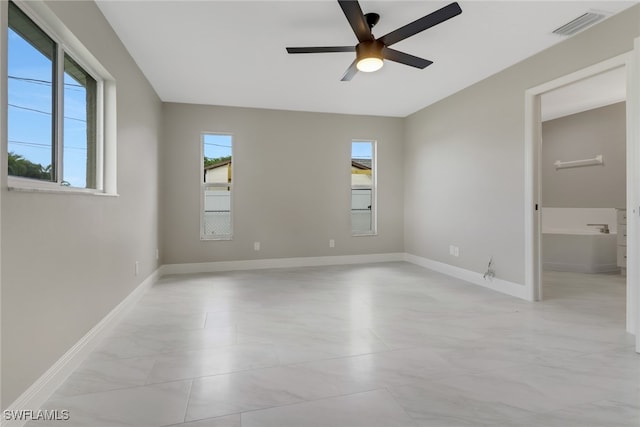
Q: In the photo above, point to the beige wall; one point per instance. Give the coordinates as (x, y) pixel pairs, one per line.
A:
(289, 216)
(464, 156)
(67, 260)
(584, 136)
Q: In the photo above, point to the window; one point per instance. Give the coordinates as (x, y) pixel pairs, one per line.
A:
(216, 219)
(52, 111)
(363, 188)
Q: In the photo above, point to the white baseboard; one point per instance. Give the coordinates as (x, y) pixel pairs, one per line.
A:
(36, 395)
(259, 264)
(499, 285)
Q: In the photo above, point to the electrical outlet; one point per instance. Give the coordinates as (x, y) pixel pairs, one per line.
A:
(454, 250)
(256, 246)
(332, 243)
(137, 267)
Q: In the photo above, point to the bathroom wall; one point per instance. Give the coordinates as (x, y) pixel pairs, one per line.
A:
(583, 136)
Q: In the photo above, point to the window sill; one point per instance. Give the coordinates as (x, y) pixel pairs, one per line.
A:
(364, 234)
(215, 238)
(18, 187)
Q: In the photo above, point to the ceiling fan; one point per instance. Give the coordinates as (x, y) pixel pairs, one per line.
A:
(371, 51)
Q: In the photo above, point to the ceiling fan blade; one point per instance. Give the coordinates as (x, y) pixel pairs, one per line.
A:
(405, 58)
(353, 12)
(422, 24)
(324, 49)
(351, 71)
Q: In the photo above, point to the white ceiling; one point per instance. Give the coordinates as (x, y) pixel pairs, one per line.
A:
(233, 52)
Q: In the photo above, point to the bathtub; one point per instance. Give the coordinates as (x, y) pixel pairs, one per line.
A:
(579, 250)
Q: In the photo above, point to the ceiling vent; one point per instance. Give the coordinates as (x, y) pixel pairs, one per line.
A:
(580, 23)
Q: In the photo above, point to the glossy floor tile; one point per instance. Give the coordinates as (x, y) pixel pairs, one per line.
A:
(388, 344)
(595, 414)
(155, 405)
(256, 389)
(369, 409)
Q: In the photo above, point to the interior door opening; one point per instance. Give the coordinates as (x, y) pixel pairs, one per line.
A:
(583, 195)
(533, 141)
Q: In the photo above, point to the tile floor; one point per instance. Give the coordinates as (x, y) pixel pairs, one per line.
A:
(371, 345)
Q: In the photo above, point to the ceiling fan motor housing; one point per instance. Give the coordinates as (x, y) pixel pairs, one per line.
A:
(369, 49)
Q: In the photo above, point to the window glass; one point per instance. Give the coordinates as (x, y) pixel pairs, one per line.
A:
(79, 147)
(217, 186)
(31, 120)
(363, 219)
(52, 110)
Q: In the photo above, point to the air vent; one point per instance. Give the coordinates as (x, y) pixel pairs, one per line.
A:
(580, 23)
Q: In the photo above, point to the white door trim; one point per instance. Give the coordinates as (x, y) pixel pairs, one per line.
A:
(633, 192)
(532, 172)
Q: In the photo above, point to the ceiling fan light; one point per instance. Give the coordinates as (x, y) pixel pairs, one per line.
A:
(369, 56)
(369, 65)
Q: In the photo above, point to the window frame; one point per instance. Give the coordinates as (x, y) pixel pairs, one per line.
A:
(374, 188)
(204, 185)
(105, 121)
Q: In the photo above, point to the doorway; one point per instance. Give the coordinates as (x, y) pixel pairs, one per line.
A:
(533, 128)
(583, 197)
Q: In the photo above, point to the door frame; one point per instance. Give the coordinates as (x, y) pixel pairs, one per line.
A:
(532, 178)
